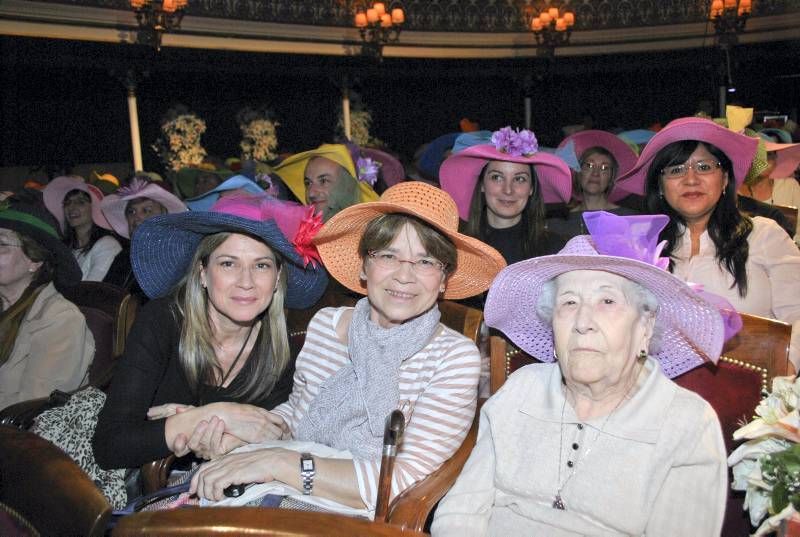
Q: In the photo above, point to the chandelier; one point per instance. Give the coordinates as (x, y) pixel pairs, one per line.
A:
(378, 26)
(156, 17)
(729, 18)
(552, 27)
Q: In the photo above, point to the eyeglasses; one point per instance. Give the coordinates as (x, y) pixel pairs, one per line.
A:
(701, 167)
(426, 266)
(587, 167)
(4, 244)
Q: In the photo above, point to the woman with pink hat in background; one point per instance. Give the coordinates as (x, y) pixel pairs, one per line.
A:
(598, 440)
(500, 189)
(602, 157)
(125, 210)
(76, 206)
(690, 171)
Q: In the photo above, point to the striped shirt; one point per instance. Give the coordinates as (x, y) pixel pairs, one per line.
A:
(438, 393)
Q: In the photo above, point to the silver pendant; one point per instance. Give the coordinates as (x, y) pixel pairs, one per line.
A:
(558, 503)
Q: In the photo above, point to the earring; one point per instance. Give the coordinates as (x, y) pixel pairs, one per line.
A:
(642, 355)
(555, 356)
(31, 270)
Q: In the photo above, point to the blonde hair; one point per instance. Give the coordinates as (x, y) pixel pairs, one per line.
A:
(268, 359)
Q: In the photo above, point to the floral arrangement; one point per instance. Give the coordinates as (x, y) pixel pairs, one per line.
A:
(367, 170)
(515, 142)
(259, 139)
(303, 239)
(767, 466)
(360, 123)
(179, 144)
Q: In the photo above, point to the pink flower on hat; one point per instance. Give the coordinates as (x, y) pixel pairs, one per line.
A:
(303, 239)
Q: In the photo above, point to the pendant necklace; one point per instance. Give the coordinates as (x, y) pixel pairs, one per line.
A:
(558, 501)
(236, 360)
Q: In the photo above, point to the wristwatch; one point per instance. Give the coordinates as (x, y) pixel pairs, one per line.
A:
(307, 472)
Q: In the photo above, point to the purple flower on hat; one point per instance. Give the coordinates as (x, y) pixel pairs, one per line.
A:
(265, 181)
(634, 237)
(136, 185)
(515, 142)
(367, 170)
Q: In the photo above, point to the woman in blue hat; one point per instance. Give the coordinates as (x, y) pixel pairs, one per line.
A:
(209, 354)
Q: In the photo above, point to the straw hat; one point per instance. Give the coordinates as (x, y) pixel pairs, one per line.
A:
(459, 173)
(57, 189)
(113, 205)
(740, 149)
(292, 170)
(163, 246)
(337, 242)
(693, 325)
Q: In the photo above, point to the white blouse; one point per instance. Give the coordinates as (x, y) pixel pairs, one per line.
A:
(96, 262)
(773, 275)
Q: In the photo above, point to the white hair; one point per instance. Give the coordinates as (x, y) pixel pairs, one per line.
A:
(639, 296)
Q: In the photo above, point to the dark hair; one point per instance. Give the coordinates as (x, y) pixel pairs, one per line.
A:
(532, 216)
(381, 231)
(71, 238)
(727, 227)
(597, 150)
(37, 253)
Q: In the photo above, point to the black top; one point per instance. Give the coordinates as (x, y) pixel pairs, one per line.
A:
(571, 224)
(508, 241)
(148, 374)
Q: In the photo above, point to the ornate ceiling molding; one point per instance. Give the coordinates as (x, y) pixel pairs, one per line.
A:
(261, 26)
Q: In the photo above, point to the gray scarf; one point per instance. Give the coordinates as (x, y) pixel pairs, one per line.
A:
(351, 407)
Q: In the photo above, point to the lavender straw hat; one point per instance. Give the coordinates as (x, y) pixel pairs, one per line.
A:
(693, 324)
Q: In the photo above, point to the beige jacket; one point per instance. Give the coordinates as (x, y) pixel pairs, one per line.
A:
(53, 350)
(656, 467)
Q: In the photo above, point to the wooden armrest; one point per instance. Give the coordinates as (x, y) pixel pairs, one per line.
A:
(155, 474)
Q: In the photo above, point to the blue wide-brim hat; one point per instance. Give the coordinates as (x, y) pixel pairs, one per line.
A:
(163, 247)
(204, 202)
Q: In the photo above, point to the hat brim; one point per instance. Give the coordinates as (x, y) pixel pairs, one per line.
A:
(337, 242)
(205, 201)
(740, 149)
(292, 170)
(186, 179)
(67, 272)
(163, 247)
(788, 158)
(459, 174)
(692, 329)
(56, 190)
(621, 151)
(114, 205)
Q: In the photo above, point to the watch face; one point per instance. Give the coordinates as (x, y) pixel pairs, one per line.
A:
(308, 465)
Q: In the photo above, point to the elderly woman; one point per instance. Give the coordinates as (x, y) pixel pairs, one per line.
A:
(44, 341)
(76, 206)
(690, 171)
(600, 442)
(389, 352)
(125, 210)
(500, 189)
(208, 356)
(602, 157)
(327, 178)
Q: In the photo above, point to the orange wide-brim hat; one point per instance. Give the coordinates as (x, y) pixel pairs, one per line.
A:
(477, 263)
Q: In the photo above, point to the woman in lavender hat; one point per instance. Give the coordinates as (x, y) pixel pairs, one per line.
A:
(598, 441)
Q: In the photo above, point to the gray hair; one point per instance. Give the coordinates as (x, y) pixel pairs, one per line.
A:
(638, 295)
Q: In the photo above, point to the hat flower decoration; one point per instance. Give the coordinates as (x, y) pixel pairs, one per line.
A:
(303, 241)
(767, 466)
(367, 170)
(515, 142)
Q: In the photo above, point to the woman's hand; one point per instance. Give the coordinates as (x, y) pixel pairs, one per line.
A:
(259, 466)
(250, 423)
(165, 411)
(208, 441)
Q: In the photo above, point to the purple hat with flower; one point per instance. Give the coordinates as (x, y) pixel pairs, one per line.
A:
(693, 324)
(163, 246)
(740, 149)
(459, 173)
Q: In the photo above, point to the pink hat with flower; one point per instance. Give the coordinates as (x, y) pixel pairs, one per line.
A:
(740, 149)
(57, 189)
(459, 173)
(114, 205)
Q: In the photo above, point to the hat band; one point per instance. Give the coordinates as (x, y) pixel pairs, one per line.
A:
(11, 214)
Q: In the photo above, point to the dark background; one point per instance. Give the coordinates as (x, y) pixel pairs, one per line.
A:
(63, 102)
